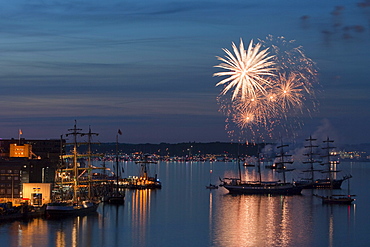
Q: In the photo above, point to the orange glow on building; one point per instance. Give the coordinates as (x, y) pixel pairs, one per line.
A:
(23, 151)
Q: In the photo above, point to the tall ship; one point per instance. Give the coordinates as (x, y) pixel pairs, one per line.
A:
(333, 183)
(73, 194)
(325, 178)
(237, 186)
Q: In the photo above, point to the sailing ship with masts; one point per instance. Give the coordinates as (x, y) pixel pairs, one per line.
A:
(332, 184)
(237, 186)
(73, 194)
(311, 181)
(314, 181)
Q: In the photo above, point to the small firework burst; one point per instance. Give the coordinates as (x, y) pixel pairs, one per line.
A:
(289, 92)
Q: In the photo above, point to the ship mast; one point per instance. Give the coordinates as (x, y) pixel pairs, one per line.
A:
(310, 158)
(90, 134)
(327, 149)
(117, 170)
(75, 132)
(281, 164)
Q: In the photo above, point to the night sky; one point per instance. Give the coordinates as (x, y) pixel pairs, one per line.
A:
(146, 67)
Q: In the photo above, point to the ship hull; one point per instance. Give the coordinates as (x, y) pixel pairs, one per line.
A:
(283, 189)
(59, 210)
(116, 200)
(344, 200)
(321, 184)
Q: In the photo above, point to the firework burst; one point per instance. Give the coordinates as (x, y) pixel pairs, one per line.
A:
(247, 70)
(258, 109)
(271, 81)
(290, 58)
(289, 92)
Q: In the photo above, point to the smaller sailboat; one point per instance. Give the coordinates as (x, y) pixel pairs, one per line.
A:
(211, 186)
(338, 199)
(248, 162)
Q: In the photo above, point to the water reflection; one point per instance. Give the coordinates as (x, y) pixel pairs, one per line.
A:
(184, 213)
(40, 232)
(140, 216)
(254, 220)
(25, 233)
(71, 231)
(332, 223)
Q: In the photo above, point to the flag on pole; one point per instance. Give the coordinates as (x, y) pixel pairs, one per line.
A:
(19, 136)
(119, 132)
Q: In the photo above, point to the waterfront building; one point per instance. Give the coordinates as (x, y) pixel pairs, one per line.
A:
(37, 194)
(26, 161)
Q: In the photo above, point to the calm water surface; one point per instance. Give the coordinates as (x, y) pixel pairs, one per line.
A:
(184, 213)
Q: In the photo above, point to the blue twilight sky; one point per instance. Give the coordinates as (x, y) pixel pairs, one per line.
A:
(146, 67)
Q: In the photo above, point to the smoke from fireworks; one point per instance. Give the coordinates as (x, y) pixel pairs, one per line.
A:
(272, 82)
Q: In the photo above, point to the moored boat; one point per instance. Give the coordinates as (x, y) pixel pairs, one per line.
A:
(337, 199)
(116, 199)
(322, 183)
(328, 182)
(277, 188)
(76, 206)
(143, 181)
(246, 164)
(23, 212)
(332, 198)
(237, 186)
(211, 186)
(63, 209)
(116, 196)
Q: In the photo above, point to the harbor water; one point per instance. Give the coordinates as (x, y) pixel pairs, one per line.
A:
(185, 213)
